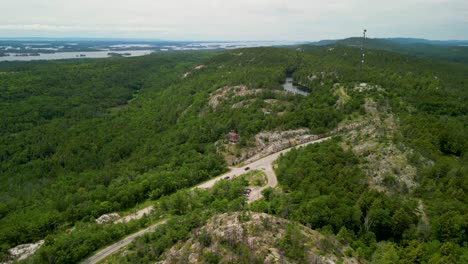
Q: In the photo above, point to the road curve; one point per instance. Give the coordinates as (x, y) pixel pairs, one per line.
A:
(104, 253)
(265, 164)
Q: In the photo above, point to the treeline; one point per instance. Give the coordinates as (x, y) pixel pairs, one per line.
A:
(440, 51)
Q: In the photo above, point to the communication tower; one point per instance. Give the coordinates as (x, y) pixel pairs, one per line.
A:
(362, 46)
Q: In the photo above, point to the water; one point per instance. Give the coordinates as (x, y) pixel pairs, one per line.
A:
(120, 48)
(126, 46)
(74, 55)
(290, 87)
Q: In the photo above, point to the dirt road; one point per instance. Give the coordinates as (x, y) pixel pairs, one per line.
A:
(265, 164)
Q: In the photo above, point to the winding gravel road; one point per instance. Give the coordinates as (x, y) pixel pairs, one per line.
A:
(265, 164)
(104, 253)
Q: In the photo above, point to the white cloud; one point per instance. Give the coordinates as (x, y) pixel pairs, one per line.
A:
(41, 27)
(241, 19)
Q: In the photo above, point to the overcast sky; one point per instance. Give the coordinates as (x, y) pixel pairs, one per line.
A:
(295, 20)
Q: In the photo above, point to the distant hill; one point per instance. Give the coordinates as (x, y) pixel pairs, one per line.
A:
(427, 41)
(449, 50)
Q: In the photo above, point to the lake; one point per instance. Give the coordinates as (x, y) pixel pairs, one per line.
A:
(289, 86)
(74, 55)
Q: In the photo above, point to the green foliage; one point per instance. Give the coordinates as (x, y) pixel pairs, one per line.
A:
(83, 138)
(324, 180)
(81, 159)
(429, 99)
(255, 178)
(85, 238)
(293, 243)
(441, 51)
(96, 136)
(386, 253)
(199, 206)
(212, 258)
(326, 190)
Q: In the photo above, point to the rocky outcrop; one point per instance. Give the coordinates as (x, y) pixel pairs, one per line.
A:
(387, 166)
(228, 92)
(107, 218)
(267, 143)
(255, 237)
(21, 252)
(272, 142)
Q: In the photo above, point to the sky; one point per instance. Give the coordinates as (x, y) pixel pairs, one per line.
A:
(291, 20)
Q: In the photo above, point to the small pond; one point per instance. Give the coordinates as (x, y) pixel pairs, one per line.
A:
(289, 86)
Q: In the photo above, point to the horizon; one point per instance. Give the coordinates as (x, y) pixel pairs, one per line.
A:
(204, 41)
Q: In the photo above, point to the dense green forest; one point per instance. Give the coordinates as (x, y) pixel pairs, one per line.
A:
(84, 138)
(444, 50)
(429, 100)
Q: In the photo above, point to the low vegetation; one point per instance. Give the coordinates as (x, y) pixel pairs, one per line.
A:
(255, 178)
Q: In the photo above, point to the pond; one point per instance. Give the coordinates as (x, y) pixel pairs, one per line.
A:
(289, 86)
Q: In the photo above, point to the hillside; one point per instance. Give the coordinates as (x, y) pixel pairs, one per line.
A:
(256, 238)
(80, 139)
(453, 51)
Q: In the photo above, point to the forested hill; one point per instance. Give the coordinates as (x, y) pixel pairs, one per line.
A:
(453, 51)
(83, 138)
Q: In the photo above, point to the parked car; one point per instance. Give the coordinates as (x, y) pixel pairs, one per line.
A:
(227, 178)
(247, 168)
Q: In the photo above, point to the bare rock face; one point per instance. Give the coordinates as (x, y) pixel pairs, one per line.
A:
(227, 92)
(387, 166)
(187, 74)
(267, 143)
(272, 142)
(254, 237)
(107, 218)
(21, 252)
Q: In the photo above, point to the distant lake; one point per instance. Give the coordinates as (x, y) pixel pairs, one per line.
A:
(74, 55)
(71, 49)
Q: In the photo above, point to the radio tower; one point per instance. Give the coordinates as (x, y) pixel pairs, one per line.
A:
(362, 46)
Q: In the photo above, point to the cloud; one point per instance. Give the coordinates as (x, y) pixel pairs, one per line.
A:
(41, 27)
(236, 19)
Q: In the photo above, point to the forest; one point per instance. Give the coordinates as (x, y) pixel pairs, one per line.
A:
(453, 51)
(80, 138)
